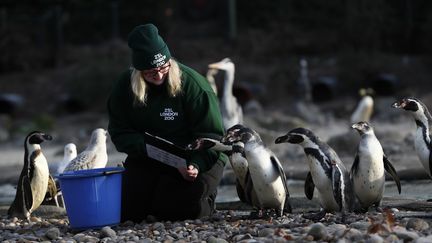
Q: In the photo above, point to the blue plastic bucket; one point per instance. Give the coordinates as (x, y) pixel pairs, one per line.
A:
(92, 197)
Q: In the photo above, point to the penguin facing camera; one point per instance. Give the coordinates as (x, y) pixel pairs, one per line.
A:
(367, 171)
(33, 181)
(327, 173)
(265, 184)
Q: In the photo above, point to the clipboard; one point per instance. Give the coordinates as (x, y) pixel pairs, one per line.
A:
(166, 151)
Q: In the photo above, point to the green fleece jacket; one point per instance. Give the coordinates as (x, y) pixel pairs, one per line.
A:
(192, 114)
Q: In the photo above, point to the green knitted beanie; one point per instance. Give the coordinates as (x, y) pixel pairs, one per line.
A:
(148, 48)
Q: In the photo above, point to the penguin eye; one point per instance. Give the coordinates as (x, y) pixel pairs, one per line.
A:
(296, 139)
(411, 106)
(36, 139)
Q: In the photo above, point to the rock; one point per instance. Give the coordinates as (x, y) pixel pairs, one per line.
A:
(213, 239)
(360, 225)
(49, 211)
(266, 232)
(374, 238)
(354, 235)
(107, 232)
(318, 231)
(158, 226)
(405, 235)
(417, 224)
(427, 239)
(53, 233)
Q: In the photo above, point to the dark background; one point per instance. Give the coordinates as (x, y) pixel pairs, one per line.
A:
(61, 57)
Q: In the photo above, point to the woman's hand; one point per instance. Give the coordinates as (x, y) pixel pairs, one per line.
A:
(190, 173)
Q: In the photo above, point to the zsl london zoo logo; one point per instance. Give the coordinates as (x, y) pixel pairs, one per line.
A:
(168, 114)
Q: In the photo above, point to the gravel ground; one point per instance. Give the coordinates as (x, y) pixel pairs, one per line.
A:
(228, 226)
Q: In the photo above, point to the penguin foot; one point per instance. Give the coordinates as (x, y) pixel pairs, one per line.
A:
(315, 216)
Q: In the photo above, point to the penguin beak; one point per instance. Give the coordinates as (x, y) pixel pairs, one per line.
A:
(47, 137)
(282, 139)
(399, 104)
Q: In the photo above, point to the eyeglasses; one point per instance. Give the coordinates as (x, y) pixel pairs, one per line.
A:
(153, 72)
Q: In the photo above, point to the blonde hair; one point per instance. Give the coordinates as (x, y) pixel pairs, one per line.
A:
(140, 88)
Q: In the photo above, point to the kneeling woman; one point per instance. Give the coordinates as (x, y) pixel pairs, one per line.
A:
(160, 96)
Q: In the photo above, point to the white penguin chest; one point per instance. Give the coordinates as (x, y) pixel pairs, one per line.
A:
(39, 181)
(267, 181)
(371, 164)
(323, 184)
(240, 167)
(422, 149)
(320, 174)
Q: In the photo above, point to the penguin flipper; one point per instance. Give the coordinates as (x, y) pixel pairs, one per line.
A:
(26, 195)
(337, 182)
(391, 170)
(240, 192)
(309, 186)
(248, 190)
(430, 156)
(355, 165)
(278, 166)
(250, 193)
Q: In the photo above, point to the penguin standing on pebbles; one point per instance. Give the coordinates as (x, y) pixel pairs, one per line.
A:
(367, 172)
(422, 117)
(237, 159)
(327, 172)
(33, 181)
(265, 181)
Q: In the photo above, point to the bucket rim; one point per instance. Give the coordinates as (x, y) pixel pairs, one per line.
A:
(91, 173)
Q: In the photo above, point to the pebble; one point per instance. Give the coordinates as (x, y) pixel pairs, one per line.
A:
(417, 224)
(318, 231)
(108, 232)
(229, 226)
(52, 233)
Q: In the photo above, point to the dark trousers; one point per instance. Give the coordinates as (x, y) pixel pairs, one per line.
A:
(153, 188)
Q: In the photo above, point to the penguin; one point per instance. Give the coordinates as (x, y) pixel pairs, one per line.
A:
(237, 160)
(94, 156)
(422, 118)
(265, 182)
(364, 109)
(231, 110)
(367, 171)
(33, 181)
(327, 172)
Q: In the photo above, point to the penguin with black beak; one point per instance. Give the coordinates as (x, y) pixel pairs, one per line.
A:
(367, 171)
(237, 159)
(33, 181)
(327, 172)
(422, 118)
(265, 180)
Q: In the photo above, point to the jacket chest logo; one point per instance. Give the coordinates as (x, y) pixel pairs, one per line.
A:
(168, 114)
